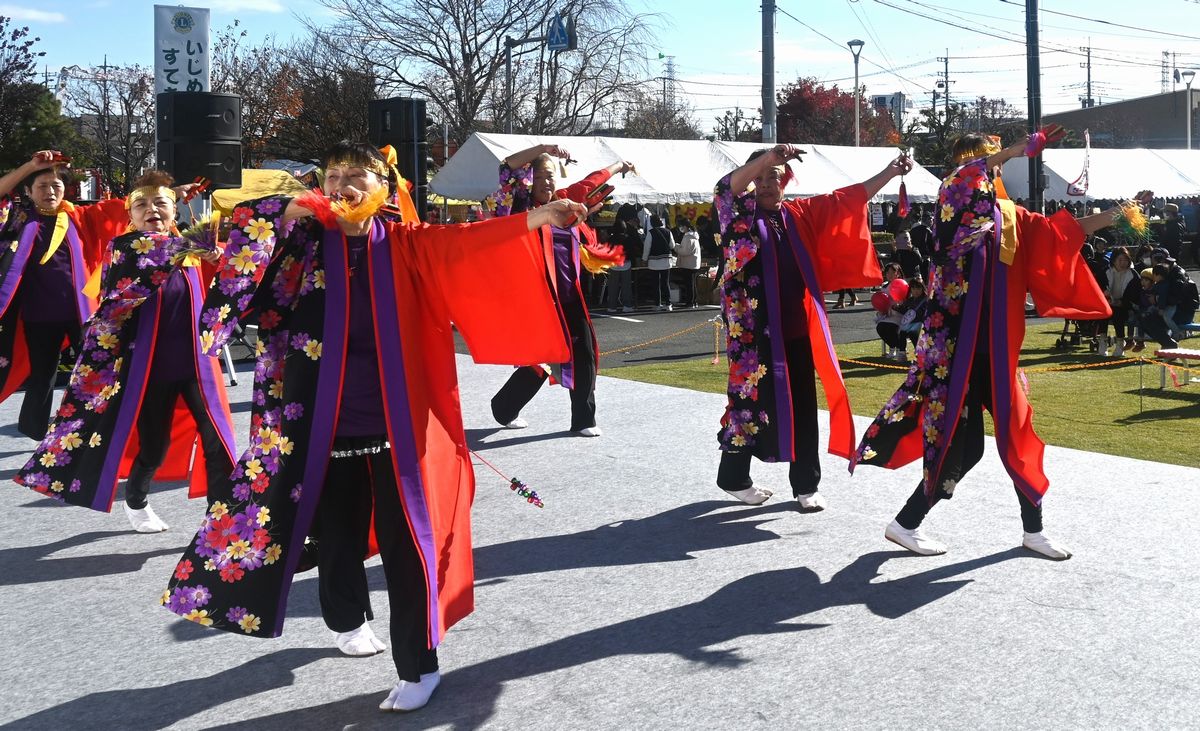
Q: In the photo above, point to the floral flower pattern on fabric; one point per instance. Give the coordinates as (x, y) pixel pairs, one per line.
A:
(514, 193)
(275, 269)
(138, 264)
(743, 297)
(966, 205)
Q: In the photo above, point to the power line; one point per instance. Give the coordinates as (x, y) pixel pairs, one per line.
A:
(1003, 19)
(839, 45)
(869, 27)
(716, 83)
(1010, 39)
(1109, 22)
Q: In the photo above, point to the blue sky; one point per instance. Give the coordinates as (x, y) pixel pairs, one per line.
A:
(716, 45)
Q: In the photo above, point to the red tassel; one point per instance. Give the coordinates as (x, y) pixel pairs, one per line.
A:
(609, 255)
(903, 206)
(321, 207)
(598, 258)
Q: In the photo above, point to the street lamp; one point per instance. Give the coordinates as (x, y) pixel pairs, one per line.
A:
(1188, 76)
(856, 48)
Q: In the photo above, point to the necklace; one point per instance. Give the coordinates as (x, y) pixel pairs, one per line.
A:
(355, 255)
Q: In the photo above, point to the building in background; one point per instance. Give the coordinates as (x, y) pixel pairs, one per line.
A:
(1157, 121)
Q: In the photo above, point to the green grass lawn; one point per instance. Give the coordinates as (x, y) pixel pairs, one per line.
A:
(1097, 409)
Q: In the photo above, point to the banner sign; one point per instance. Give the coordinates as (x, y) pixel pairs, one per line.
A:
(1079, 187)
(181, 57)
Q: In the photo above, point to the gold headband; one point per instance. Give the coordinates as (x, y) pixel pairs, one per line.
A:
(375, 166)
(988, 147)
(148, 191)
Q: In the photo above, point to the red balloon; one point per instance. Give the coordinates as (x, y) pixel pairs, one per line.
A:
(881, 302)
(898, 289)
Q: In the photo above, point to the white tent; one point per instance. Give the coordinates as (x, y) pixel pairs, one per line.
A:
(677, 171)
(673, 171)
(471, 173)
(1112, 174)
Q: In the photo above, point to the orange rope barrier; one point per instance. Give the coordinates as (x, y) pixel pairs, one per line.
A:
(655, 341)
(718, 326)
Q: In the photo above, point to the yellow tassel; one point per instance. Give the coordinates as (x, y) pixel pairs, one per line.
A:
(1132, 212)
(366, 207)
(592, 263)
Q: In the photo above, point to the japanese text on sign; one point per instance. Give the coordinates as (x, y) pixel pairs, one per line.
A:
(181, 54)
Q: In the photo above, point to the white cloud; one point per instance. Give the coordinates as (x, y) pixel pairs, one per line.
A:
(17, 12)
(252, 6)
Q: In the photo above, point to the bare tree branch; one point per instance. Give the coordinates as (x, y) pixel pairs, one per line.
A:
(452, 52)
(115, 108)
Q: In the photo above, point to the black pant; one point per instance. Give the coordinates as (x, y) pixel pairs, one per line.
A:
(44, 342)
(663, 285)
(889, 333)
(341, 528)
(687, 288)
(1154, 327)
(1120, 318)
(965, 451)
(804, 473)
(154, 434)
(523, 385)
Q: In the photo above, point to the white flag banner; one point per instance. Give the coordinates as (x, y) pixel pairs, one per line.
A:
(1079, 188)
(181, 57)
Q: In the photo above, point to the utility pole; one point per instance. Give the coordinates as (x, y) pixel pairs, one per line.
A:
(105, 132)
(445, 158)
(1033, 63)
(768, 71)
(945, 82)
(556, 42)
(1166, 55)
(1087, 101)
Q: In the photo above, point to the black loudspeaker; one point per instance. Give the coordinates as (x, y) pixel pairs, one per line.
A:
(401, 123)
(199, 115)
(200, 135)
(220, 162)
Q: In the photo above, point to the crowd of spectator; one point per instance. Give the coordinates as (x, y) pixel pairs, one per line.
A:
(670, 258)
(1153, 297)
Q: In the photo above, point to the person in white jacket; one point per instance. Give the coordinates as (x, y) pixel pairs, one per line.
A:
(1120, 277)
(687, 261)
(656, 251)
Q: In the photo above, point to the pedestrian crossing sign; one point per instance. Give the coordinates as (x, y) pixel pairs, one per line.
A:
(557, 37)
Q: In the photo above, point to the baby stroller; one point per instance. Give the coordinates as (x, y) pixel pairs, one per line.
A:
(1073, 334)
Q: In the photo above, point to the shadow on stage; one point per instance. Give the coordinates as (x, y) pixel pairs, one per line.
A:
(663, 538)
(670, 536)
(767, 603)
(475, 438)
(133, 709)
(158, 488)
(30, 565)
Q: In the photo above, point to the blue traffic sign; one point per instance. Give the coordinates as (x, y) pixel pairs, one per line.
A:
(557, 38)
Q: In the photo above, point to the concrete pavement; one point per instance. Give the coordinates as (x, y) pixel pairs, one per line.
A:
(641, 598)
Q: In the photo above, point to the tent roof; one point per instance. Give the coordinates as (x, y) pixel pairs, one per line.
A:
(257, 184)
(673, 171)
(1112, 174)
